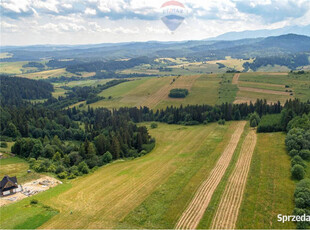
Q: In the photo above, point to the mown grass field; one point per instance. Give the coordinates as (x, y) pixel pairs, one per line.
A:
(297, 84)
(153, 191)
(14, 166)
(30, 216)
(112, 195)
(153, 92)
(205, 222)
(12, 67)
(47, 73)
(180, 152)
(270, 189)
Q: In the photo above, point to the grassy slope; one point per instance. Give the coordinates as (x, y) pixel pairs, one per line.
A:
(12, 67)
(269, 190)
(117, 93)
(299, 83)
(18, 167)
(165, 205)
(127, 184)
(269, 87)
(202, 92)
(22, 215)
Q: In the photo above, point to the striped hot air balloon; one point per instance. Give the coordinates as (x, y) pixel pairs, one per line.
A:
(173, 14)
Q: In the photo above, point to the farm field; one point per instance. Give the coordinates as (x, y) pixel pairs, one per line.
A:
(153, 191)
(153, 92)
(269, 190)
(196, 208)
(12, 67)
(127, 184)
(47, 73)
(270, 86)
(181, 152)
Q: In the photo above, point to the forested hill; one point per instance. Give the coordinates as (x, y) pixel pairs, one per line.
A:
(244, 48)
(14, 90)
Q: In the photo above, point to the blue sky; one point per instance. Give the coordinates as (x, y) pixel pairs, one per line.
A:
(26, 22)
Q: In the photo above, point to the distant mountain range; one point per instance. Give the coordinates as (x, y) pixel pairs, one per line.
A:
(301, 30)
(282, 45)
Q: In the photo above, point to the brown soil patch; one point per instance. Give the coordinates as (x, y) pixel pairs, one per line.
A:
(228, 209)
(195, 210)
(235, 79)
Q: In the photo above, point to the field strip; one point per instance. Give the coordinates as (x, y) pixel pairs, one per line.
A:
(228, 209)
(267, 91)
(262, 84)
(235, 79)
(195, 210)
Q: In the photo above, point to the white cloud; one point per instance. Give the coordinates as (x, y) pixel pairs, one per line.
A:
(8, 27)
(67, 6)
(50, 5)
(17, 6)
(61, 27)
(106, 20)
(90, 11)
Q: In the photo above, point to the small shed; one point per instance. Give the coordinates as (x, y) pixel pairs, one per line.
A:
(8, 186)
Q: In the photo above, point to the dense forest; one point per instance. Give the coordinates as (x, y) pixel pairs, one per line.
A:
(76, 66)
(14, 90)
(34, 65)
(291, 61)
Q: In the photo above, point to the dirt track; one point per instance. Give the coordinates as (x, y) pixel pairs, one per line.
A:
(235, 79)
(228, 209)
(195, 210)
(267, 91)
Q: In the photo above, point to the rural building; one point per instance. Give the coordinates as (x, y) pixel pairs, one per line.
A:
(9, 186)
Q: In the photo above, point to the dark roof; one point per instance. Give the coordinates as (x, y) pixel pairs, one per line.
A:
(6, 179)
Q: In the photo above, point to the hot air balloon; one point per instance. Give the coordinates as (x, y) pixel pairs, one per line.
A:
(173, 14)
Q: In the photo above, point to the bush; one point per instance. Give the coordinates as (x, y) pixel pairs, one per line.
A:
(62, 175)
(3, 145)
(60, 169)
(34, 201)
(154, 125)
(298, 172)
(254, 119)
(107, 157)
(298, 160)
(52, 168)
(293, 153)
(72, 176)
(83, 167)
(305, 154)
(221, 122)
(302, 202)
